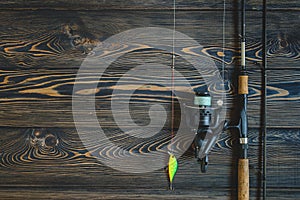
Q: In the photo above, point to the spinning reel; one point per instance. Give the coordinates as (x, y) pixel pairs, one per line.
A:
(207, 119)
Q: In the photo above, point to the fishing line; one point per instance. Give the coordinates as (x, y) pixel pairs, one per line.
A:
(172, 164)
(223, 39)
(264, 99)
(173, 74)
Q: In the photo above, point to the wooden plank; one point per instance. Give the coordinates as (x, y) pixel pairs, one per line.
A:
(62, 39)
(44, 98)
(146, 194)
(283, 103)
(144, 4)
(283, 44)
(26, 161)
(55, 36)
(71, 193)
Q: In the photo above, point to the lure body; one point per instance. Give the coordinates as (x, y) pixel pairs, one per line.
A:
(172, 169)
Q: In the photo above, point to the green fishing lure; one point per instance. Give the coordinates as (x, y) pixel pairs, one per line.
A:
(172, 169)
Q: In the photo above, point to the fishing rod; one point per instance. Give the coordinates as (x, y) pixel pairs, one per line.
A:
(242, 126)
(243, 163)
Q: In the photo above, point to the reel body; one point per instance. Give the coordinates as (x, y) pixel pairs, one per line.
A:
(206, 119)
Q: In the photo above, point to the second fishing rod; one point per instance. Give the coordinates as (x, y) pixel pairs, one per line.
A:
(243, 163)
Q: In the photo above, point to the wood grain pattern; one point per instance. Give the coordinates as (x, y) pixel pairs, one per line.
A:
(43, 44)
(145, 194)
(144, 4)
(60, 39)
(28, 161)
(45, 98)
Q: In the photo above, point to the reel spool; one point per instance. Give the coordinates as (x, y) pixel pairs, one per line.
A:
(203, 101)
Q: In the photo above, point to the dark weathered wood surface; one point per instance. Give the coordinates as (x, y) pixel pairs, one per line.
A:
(141, 4)
(42, 45)
(61, 39)
(45, 97)
(27, 161)
(95, 193)
(41, 54)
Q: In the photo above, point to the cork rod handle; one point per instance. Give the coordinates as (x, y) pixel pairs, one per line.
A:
(243, 179)
(243, 84)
